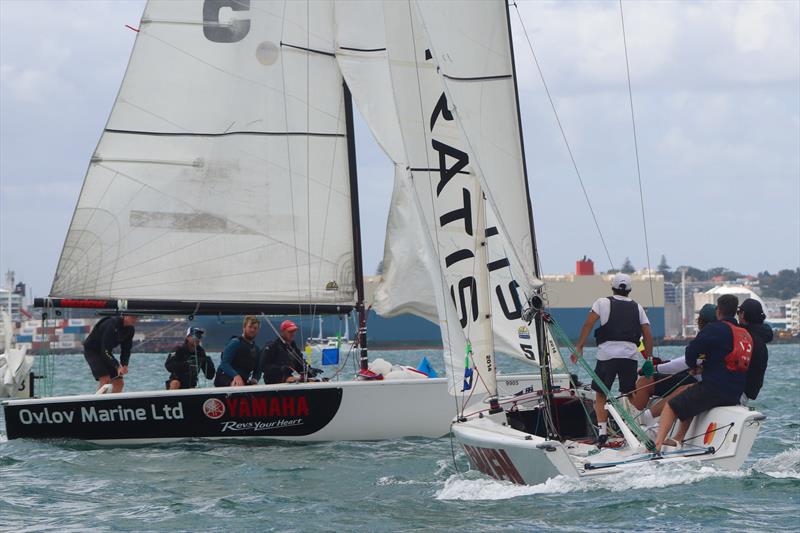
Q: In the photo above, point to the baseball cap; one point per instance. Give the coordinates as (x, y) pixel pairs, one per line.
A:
(753, 312)
(708, 313)
(195, 332)
(621, 281)
(288, 325)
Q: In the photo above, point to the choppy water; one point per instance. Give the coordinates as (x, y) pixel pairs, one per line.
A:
(383, 486)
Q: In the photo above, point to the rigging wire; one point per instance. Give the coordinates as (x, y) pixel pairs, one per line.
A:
(564, 136)
(636, 152)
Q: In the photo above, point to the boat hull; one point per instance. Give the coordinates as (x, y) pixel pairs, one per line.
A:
(319, 411)
(722, 436)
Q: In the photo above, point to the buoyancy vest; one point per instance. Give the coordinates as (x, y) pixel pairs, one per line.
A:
(623, 323)
(738, 360)
(246, 357)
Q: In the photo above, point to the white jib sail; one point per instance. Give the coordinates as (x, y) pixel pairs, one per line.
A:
(448, 196)
(222, 174)
(472, 50)
(409, 261)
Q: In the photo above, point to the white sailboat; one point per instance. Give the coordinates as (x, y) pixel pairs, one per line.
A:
(225, 183)
(454, 82)
(341, 342)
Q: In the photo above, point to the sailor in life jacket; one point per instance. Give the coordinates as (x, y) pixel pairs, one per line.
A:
(725, 350)
(187, 360)
(239, 364)
(622, 323)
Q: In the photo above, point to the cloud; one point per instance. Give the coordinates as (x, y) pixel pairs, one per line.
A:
(715, 87)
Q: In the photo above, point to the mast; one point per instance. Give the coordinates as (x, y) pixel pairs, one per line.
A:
(358, 267)
(541, 339)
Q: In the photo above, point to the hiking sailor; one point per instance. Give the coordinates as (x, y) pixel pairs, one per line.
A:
(98, 348)
(239, 362)
(751, 316)
(726, 348)
(282, 358)
(622, 323)
(668, 378)
(187, 360)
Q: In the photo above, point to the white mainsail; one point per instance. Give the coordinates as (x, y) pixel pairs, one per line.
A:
(222, 174)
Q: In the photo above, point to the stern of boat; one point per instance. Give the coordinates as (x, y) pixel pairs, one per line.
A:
(730, 430)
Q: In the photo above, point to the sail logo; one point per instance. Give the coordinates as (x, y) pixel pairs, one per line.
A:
(213, 408)
(523, 332)
(332, 286)
(467, 300)
(494, 463)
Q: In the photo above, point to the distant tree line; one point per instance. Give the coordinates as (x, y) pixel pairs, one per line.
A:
(783, 285)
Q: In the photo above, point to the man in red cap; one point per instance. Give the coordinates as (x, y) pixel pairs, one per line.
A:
(282, 357)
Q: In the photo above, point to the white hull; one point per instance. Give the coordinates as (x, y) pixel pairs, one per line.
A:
(318, 411)
(507, 454)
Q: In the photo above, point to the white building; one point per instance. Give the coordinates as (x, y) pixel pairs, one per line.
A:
(712, 295)
(15, 303)
(793, 315)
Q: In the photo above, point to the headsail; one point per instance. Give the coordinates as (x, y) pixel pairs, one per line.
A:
(465, 69)
(222, 174)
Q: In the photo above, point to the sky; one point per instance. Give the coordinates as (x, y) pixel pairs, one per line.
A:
(716, 94)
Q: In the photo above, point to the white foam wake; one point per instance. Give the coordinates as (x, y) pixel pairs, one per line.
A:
(784, 465)
(647, 476)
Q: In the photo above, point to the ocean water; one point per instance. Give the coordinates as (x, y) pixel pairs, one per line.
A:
(406, 485)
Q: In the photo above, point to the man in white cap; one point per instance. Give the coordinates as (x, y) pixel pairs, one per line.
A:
(622, 323)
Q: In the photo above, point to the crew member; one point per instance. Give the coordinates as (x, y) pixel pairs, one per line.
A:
(239, 364)
(751, 316)
(669, 377)
(726, 348)
(187, 360)
(622, 323)
(282, 358)
(98, 348)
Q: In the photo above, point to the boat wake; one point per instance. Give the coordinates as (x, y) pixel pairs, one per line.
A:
(472, 486)
(785, 465)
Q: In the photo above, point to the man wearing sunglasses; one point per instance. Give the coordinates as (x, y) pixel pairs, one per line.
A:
(187, 360)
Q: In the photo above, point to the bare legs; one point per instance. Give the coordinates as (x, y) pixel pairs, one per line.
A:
(668, 418)
(600, 407)
(642, 393)
(174, 384)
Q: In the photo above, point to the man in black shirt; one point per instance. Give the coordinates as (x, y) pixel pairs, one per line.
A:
(751, 316)
(282, 358)
(98, 348)
(187, 360)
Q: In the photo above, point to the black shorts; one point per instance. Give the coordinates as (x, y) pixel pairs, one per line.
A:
(101, 365)
(698, 399)
(608, 371)
(670, 383)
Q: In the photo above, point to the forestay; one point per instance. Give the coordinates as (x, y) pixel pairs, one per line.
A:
(222, 174)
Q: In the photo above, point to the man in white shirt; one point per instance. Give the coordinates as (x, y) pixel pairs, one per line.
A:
(622, 323)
